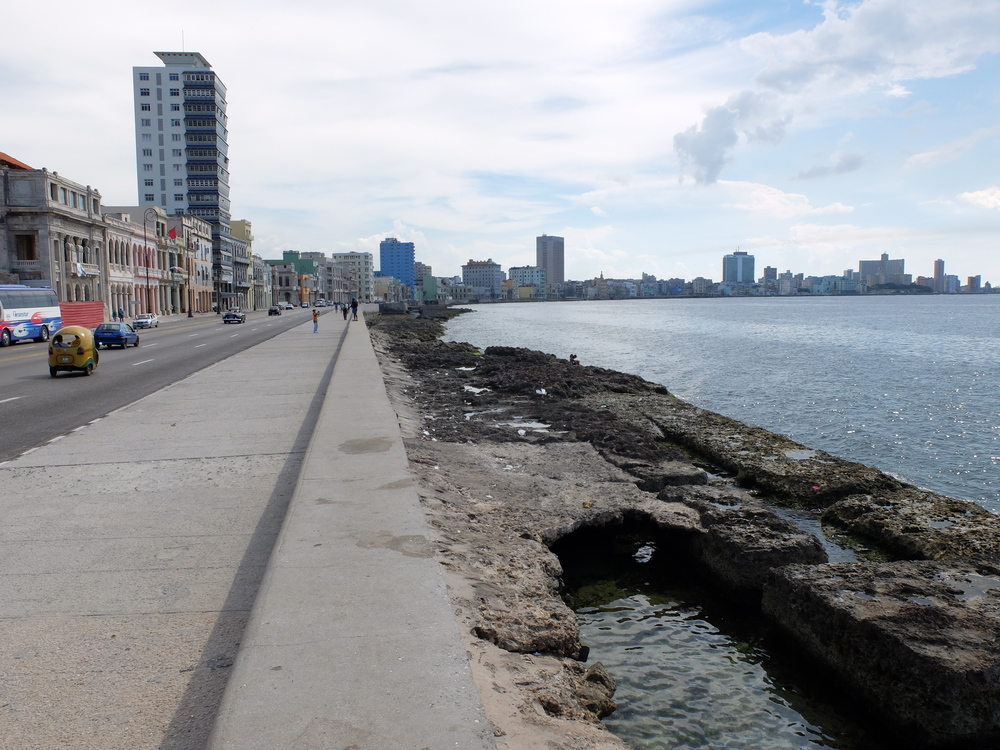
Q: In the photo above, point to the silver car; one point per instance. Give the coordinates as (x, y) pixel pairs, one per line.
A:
(146, 320)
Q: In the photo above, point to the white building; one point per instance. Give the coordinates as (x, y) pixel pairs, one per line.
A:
(362, 267)
(181, 153)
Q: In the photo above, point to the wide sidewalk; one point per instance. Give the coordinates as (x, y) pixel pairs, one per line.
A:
(133, 549)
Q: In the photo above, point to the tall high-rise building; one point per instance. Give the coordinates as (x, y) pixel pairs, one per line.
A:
(396, 259)
(738, 268)
(549, 252)
(939, 277)
(181, 151)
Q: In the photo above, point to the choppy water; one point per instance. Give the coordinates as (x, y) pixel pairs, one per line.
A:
(908, 384)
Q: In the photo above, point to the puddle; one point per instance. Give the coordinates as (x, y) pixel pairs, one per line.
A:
(809, 521)
(972, 585)
(799, 455)
(696, 668)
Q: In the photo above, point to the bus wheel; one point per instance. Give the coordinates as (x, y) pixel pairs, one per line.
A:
(5, 337)
(43, 335)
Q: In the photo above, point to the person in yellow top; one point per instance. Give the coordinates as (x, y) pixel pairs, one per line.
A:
(315, 320)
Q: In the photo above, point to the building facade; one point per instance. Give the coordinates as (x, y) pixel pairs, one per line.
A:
(883, 271)
(362, 273)
(528, 282)
(485, 277)
(396, 259)
(182, 161)
(737, 268)
(550, 255)
(52, 233)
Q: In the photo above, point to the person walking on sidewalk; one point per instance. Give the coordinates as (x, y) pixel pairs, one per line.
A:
(354, 308)
(121, 315)
(343, 309)
(315, 320)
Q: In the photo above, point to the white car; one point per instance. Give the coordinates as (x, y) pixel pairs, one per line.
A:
(146, 320)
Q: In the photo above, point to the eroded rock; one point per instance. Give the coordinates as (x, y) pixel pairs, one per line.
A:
(917, 524)
(918, 640)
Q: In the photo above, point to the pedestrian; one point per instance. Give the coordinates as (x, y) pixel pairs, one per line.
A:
(354, 308)
(114, 314)
(315, 320)
(573, 360)
(121, 315)
(344, 310)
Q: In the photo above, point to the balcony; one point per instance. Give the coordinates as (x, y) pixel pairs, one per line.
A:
(82, 270)
(28, 269)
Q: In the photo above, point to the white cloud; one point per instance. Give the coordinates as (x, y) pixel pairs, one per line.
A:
(988, 198)
(770, 201)
(873, 45)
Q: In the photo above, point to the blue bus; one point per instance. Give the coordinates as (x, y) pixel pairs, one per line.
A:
(28, 312)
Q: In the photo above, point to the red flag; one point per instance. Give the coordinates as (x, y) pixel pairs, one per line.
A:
(172, 233)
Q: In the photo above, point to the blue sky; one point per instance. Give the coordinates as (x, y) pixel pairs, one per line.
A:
(656, 136)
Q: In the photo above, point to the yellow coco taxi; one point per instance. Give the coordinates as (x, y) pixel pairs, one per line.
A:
(72, 349)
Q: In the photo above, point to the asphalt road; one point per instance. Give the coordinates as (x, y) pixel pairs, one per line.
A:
(36, 408)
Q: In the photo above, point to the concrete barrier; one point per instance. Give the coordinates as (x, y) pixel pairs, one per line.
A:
(352, 642)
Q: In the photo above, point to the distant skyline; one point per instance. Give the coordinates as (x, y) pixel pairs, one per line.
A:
(655, 136)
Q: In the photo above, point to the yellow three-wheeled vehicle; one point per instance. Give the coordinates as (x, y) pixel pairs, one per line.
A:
(72, 349)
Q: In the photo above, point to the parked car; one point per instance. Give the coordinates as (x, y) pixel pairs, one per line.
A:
(115, 334)
(274, 310)
(234, 316)
(285, 305)
(146, 320)
(305, 304)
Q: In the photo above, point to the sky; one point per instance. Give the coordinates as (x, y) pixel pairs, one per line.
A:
(654, 135)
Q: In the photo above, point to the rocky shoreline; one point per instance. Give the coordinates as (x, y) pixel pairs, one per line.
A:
(513, 450)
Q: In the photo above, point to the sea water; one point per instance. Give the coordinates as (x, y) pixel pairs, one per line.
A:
(909, 384)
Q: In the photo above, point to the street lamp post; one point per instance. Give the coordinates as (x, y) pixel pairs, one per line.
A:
(148, 214)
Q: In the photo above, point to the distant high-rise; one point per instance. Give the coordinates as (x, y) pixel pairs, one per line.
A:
(396, 259)
(939, 277)
(549, 252)
(738, 268)
(883, 271)
(181, 150)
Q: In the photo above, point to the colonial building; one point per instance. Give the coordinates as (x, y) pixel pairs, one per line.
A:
(52, 232)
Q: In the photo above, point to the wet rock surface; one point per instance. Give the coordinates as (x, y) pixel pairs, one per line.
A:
(513, 450)
(918, 639)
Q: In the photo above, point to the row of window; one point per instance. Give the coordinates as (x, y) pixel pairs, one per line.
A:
(145, 77)
(146, 107)
(72, 198)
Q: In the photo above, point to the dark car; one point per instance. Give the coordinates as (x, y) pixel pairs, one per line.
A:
(115, 334)
(234, 316)
(274, 310)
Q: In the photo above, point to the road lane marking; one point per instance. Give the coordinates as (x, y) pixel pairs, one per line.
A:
(149, 345)
(234, 335)
(192, 335)
(198, 345)
(141, 363)
(14, 398)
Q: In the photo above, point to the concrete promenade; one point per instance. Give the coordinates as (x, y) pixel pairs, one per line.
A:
(133, 550)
